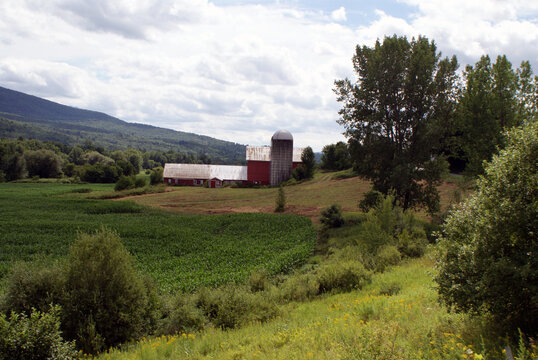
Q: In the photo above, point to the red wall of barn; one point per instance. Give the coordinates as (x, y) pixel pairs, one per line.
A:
(295, 164)
(259, 171)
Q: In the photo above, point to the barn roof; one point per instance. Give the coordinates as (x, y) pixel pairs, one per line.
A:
(263, 153)
(297, 152)
(259, 153)
(203, 171)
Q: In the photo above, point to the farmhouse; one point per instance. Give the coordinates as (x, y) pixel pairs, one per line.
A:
(266, 165)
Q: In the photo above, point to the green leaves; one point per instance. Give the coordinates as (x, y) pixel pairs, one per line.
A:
(489, 257)
(394, 114)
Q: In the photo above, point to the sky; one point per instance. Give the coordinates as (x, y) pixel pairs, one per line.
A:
(236, 70)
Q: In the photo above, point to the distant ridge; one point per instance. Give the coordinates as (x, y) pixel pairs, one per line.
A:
(31, 117)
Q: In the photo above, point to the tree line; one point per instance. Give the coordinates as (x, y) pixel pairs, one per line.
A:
(20, 159)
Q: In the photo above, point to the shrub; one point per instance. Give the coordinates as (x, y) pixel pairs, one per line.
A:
(412, 244)
(342, 276)
(156, 176)
(33, 286)
(107, 302)
(139, 182)
(230, 306)
(124, 182)
(387, 255)
(299, 288)
(258, 281)
(332, 216)
(370, 200)
(389, 289)
(35, 337)
(489, 244)
(280, 202)
(182, 315)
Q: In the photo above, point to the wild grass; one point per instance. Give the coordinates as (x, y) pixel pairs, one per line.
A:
(180, 252)
(372, 323)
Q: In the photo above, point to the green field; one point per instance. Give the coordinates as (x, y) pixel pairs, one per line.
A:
(180, 252)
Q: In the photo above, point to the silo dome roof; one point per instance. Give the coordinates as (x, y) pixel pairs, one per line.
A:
(282, 135)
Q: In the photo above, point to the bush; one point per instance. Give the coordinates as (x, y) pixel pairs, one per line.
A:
(33, 286)
(182, 315)
(156, 176)
(332, 216)
(342, 276)
(107, 301)
(35, 337)
(124, 182)
(299, 288)
(231, 306)
(387, 255)
(489, 244)
(258, 281)
(412, 244)
(139, 182)
(370, 200)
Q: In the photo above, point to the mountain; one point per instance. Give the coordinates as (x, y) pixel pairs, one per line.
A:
(31, 117)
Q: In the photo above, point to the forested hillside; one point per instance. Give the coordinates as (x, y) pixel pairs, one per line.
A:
(27, 116)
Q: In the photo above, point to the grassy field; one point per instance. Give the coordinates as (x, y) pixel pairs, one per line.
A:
(397, 316)
(307, 198)
(181, 252)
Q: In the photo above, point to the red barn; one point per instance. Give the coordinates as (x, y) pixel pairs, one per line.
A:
(266, 165)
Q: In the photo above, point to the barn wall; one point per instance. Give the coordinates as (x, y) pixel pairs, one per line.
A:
(259, 172)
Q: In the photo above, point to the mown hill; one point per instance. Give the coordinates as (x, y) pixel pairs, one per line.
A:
(23, 115)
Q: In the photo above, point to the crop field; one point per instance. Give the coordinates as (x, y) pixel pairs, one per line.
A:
(181, 252)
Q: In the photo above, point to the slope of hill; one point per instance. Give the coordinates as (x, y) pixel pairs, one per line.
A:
(32, 117)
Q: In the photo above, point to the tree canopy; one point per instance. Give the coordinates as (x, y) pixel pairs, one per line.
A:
(394, 113)
(489, 243)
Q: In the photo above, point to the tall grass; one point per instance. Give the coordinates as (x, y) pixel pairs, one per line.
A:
(362, 324)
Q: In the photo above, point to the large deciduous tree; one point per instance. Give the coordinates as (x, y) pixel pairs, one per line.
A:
(394, 114)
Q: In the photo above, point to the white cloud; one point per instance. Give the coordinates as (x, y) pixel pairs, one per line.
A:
(234, 72)
(339, 14)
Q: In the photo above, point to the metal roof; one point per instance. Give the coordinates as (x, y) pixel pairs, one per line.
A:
(259, 153)
(297, 152)
(203, 171)
(263, 153)
(282, 135)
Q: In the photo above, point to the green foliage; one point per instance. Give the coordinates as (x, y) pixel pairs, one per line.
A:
(107, 301)
(231, 306)
(332, 216)
(489, 243)
(258, 281)
(387, 255)
(299, 287)
(342, 276)
(182, 315)
(140, 181)
(393, 116)
(33, 286)
(370, 200)
(36, 336)
(494, 99)
(124, 183)
(280, 201)
(335, 157)
(43, 163)
(156, 176)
